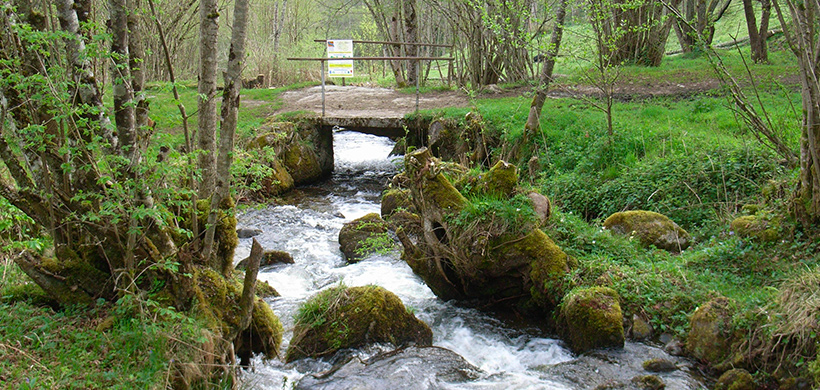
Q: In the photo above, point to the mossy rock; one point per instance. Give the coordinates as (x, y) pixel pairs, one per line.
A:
(591, 318)
(265, 290)
(354, 236)
(302, 163)
(272, 135)
(278, 182)
(546, 263)
(710, 336)
(736, 379)
(659, 365)
(342, 317)
(394, 200)
(648, 382)
(756, 228)
(218, 304)
(501, 180)
(269, 257)
(641, 329)
(651, 228)
(410, 222)
(264, 335)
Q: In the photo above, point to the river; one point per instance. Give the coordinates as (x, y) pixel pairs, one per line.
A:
(508, 354)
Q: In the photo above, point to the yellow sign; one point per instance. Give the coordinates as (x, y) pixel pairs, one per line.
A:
(340, 48)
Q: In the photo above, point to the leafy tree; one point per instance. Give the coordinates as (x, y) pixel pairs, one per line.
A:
(115, 213)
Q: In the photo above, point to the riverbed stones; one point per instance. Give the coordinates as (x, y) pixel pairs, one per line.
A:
(650, 228)
(352, 317)
(363, 236)
(640, 329)
(591, 318)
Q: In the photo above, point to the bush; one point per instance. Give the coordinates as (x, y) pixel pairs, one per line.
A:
(690, 189)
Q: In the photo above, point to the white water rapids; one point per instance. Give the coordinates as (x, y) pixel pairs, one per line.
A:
(509, 357)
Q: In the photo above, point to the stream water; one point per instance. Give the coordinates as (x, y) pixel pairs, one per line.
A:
(509, 356)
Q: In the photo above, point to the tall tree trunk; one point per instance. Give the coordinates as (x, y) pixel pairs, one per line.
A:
(537, 105)
(208, 30)
(230, 110)
(397, 66)
(411, 35)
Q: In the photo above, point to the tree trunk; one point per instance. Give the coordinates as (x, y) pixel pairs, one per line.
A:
(803, 42)
(757, 37)
(533, 125)
(208, 30)
(230, 110)
(411, 35)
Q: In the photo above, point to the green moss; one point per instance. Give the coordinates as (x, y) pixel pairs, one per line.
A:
(301, 162)
(757, 228)
(440, 192)
(648, 382)
(501, 180)
(265, 332)
(548, 267)
(591, 318)
(357, 238)
(736, 379)
(394, 200)
(650, 228)
(342, 317)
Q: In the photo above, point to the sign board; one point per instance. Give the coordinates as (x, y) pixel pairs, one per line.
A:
(340, 48)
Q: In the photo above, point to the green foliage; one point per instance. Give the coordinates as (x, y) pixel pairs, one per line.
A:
(44, 349)
(514, 215)
(312, 313)
(18, 231)
(376, 243)
(690, 189)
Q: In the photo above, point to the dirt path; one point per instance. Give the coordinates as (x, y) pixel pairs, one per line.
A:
(368, 102)
(355, 102)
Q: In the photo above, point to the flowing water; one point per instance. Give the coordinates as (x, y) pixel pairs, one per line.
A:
(508, 356)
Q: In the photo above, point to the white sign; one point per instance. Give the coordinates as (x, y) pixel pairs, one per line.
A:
(340, 48)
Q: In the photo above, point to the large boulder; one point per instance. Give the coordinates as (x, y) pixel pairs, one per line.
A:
(651, 228)
(352, 317)
(710, 337)
(591, 318)
(363, 236)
